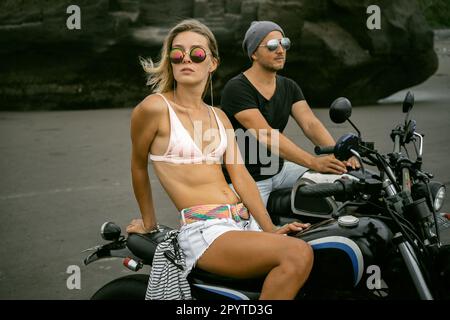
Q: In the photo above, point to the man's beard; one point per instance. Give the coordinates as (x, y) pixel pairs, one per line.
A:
(271, 67)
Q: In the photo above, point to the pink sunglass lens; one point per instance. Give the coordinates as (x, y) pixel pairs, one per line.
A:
(198, 55)
(176, 56)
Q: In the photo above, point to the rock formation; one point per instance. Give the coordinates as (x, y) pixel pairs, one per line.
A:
(44, 65)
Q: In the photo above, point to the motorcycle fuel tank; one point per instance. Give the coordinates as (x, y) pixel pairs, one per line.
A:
(345, 248)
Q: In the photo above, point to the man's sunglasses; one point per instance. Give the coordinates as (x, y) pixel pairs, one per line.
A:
(197, 55)
(272, 45)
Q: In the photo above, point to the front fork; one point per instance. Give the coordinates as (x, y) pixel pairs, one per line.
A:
(410, 259)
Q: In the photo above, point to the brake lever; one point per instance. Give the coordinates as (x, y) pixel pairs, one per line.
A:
(96, 248)
(358, 156)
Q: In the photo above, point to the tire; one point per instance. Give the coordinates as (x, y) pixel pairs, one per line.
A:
(131, 287)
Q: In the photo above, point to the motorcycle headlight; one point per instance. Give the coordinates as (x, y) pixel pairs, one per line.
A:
(439, 198)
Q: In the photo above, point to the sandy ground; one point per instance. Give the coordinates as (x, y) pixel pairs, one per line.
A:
(64, 173)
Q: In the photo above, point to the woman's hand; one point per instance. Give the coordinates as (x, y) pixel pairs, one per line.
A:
(292, 227)
(137, 226)
(352, 162)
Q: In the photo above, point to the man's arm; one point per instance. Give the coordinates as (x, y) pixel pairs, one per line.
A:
(313, 129)
(279, 144)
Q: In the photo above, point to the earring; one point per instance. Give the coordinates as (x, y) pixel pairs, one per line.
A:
(174, 88)
(211, 86)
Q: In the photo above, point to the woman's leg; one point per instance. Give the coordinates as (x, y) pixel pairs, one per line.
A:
(286, 261)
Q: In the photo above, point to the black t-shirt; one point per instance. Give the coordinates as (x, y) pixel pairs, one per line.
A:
(238, 95)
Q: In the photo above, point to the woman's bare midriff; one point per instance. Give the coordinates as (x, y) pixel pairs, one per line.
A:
(194, 184)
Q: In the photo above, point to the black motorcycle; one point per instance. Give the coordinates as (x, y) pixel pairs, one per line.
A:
(375, 233)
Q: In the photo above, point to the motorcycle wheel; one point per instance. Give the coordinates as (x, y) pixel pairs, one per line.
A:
(132, 287)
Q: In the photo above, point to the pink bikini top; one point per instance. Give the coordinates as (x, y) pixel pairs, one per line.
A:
(182, 148)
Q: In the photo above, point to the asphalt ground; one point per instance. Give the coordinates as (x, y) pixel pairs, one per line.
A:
(64, 173)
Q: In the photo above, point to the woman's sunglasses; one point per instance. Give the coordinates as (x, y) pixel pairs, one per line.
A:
(197, 55)
(272, 45)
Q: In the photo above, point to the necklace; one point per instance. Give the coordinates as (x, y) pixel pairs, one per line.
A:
(192, 122)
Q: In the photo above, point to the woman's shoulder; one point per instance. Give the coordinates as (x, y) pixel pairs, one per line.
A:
(152, 105)
(219, 112)
(222, 115)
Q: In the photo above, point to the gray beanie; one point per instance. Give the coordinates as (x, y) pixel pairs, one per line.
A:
(256, 33)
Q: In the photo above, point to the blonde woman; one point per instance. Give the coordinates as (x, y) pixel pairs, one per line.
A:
(188, 165)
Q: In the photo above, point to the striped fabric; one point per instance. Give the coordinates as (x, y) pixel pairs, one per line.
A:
(166, 278)
(214, 211)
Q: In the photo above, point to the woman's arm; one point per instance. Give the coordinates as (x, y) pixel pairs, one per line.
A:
(144, 127)
(246, 187)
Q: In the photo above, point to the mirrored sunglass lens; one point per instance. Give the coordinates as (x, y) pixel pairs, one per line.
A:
(286, 43)
(272, 44)
(176, 56)
(197, 54)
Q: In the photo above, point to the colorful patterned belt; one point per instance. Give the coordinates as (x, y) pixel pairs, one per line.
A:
(236, 212)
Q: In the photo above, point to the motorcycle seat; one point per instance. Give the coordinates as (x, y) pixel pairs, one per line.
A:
(144, 246)
(279, 203)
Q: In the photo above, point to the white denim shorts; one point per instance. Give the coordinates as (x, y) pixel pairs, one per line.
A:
(195, 238)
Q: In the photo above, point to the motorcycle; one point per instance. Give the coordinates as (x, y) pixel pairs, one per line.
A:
(375, 233)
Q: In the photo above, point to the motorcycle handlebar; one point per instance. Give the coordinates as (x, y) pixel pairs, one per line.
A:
(337, 188)
(323, 150)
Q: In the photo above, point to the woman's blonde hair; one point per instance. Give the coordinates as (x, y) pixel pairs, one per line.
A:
(160, 75)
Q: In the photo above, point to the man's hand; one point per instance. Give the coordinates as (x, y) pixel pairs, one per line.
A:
(329, 164)
(292, 227)
(353, 163)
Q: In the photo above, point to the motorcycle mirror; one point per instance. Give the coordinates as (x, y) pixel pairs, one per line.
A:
(407, 105)
(340, 110)
(408, 102)
(110, 231)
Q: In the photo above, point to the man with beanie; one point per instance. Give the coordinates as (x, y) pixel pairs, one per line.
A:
(262, 101)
